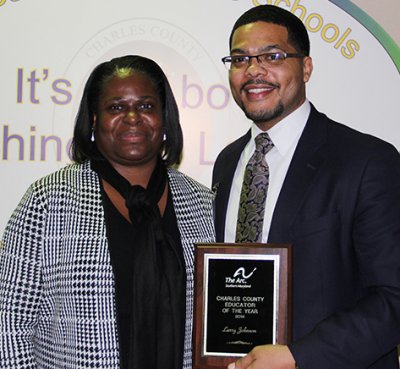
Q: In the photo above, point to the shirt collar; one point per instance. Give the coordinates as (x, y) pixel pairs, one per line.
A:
(288, 130)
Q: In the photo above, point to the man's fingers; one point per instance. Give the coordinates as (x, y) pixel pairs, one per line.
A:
(242, 363)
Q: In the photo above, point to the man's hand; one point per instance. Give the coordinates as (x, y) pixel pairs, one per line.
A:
(266, 357)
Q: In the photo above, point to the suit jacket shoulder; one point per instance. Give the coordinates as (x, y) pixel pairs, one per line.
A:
(227, 159)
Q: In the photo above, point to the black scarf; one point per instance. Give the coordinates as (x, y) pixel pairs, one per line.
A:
(159, 280)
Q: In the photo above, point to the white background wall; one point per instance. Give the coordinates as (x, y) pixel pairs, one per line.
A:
(49, 47)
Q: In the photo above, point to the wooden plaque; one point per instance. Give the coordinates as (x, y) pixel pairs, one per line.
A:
(241, 300)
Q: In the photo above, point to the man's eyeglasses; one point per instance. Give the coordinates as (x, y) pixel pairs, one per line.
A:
(265, 60)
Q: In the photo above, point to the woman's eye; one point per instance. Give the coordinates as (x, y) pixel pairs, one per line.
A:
(146, 106)
(115, 108)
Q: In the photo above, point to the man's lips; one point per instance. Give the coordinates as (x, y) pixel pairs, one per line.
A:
(258, 87)
(257, 90)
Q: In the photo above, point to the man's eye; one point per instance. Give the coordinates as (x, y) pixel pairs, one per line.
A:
(239, 59)
(274, 57)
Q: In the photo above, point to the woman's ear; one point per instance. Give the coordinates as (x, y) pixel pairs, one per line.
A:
(92, 137)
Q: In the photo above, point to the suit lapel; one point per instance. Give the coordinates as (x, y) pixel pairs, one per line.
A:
(307, 159)
(223, 183)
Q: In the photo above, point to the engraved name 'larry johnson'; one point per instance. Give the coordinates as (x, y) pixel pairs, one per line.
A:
(238, 330)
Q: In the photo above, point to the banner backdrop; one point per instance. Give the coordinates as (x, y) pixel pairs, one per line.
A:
(49, 47)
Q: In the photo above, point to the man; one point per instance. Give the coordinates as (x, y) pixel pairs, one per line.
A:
(333, 193)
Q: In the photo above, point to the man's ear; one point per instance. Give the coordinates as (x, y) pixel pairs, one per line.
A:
(307, 68)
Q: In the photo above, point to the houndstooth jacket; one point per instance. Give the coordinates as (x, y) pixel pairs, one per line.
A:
(57, 306)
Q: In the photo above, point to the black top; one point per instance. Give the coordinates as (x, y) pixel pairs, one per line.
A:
(121, 236)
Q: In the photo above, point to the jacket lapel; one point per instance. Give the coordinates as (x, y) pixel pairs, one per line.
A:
(222, 183)
(307, 159)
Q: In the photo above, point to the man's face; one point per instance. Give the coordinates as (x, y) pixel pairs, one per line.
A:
(267, 94)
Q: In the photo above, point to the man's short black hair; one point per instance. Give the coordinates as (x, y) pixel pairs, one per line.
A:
(297, 32)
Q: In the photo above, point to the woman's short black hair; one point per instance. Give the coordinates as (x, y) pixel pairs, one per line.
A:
(297, 32)
(83, 148)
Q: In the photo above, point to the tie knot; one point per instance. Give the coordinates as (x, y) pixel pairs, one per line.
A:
(263, 143)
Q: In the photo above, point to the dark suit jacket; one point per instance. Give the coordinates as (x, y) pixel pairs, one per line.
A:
(339, 207)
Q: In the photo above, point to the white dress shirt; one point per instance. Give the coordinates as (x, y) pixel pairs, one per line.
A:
(285, 135)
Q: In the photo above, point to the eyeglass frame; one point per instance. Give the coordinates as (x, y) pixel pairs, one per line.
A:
(249, 57)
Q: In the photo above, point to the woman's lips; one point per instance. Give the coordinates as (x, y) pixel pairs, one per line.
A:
(132, 136)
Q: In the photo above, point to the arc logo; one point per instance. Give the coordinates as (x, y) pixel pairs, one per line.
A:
(239, 279)
(240, 272)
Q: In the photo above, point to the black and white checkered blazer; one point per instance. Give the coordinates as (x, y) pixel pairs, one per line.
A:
(57, 306)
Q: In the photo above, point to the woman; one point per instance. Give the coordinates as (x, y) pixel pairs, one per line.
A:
(96, 268)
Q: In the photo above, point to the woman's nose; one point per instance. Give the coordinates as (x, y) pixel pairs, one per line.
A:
(131, 117)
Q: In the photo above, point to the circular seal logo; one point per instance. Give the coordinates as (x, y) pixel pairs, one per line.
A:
(198, 82)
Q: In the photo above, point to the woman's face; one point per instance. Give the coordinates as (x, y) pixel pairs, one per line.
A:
(129, 124)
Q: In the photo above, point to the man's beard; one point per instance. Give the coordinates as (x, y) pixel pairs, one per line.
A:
(263, 116)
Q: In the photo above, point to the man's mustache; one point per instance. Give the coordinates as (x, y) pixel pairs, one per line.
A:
(259, 82)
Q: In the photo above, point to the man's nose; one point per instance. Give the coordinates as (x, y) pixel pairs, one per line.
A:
(255, 67)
